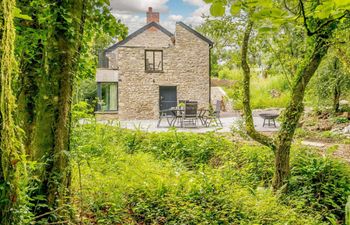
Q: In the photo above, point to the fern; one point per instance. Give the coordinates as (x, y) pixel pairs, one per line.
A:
(347, 212)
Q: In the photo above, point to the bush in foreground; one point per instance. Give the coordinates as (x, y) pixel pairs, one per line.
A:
(181, 178)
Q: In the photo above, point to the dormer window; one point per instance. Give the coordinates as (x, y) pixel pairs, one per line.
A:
(153, 61)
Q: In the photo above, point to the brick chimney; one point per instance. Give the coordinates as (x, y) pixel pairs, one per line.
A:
(152, 16)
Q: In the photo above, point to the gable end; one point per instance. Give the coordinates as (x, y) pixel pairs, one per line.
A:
(136, 33)
(196, 33)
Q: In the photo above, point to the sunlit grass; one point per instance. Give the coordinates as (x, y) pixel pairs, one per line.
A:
(271, 92)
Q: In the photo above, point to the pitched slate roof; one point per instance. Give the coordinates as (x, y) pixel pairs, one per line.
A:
(139, 31)
(199, 35)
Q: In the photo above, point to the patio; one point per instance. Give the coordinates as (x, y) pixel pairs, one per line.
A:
(228, 120)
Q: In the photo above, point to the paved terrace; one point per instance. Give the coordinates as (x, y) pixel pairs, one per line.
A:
(228, 120)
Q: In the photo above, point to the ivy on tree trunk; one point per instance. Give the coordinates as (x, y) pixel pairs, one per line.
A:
(10, 147)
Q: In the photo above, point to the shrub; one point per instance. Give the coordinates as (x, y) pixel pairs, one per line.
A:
(190, 149)
(347, 212)
(321, 183)
(210, 203)
(186, 178)
(250, 165)
(340, 120)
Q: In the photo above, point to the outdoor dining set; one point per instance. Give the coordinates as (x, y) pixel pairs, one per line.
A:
(187, 114)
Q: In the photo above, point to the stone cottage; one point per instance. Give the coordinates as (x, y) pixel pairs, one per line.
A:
(152, 69)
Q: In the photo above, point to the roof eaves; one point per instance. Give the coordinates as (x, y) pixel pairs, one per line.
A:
(196, 33)
(139, 31)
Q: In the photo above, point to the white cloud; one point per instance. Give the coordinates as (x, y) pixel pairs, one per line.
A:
(133, 13)
(128, 11)
(195, 2)
(175, 18)
(196, 18)
(138, 5)
(133, 22)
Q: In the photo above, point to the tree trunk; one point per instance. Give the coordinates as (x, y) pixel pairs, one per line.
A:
(66, 64)
(337, 85)
(293, 113)
(248, 117)
(10, 146)
(336, 97)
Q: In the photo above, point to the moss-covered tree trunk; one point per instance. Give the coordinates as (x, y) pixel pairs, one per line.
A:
(10, 146)
(68, 39)
(247, 111)
(281, 146)
(294, 111)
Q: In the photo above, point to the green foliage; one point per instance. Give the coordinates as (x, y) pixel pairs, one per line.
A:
(183, 178)
(347, 212)
(85, 90)
(322, 184)
(249, 165)
(228, 74)
(340, 120)
(331, 79)
(265, 92)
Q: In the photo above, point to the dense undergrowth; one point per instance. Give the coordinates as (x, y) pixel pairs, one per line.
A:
(133, 177)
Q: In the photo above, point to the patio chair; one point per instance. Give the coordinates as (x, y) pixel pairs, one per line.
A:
(190, 115)
(214, 116)
(164, 114)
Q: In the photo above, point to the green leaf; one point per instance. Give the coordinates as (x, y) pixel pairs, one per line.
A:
(217, 9)
(235, 9)
(266, 4)
(344, 4)
(18, 14)
(324, 11)
(252, 3)
(208, 1)
(266, 29)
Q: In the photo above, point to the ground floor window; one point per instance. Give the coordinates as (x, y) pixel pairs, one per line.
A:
(108, 96)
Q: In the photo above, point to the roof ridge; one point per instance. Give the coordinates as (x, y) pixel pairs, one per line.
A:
(139, 31)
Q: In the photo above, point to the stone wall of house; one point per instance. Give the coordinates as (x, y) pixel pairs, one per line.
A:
(150, 38)
(185, 65)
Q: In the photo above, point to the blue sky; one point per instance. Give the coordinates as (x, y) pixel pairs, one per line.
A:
(133, 12)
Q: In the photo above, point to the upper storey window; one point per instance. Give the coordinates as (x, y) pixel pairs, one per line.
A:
(154, 61)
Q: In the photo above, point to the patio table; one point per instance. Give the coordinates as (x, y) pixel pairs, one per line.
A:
(176, 114)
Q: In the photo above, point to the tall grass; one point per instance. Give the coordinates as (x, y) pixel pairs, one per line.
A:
(262, 89)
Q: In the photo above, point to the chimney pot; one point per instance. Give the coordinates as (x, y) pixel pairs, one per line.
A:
(152, 16)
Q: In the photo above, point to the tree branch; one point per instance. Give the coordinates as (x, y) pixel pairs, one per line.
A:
(282, 65)
(302, 10)
(248, 117)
